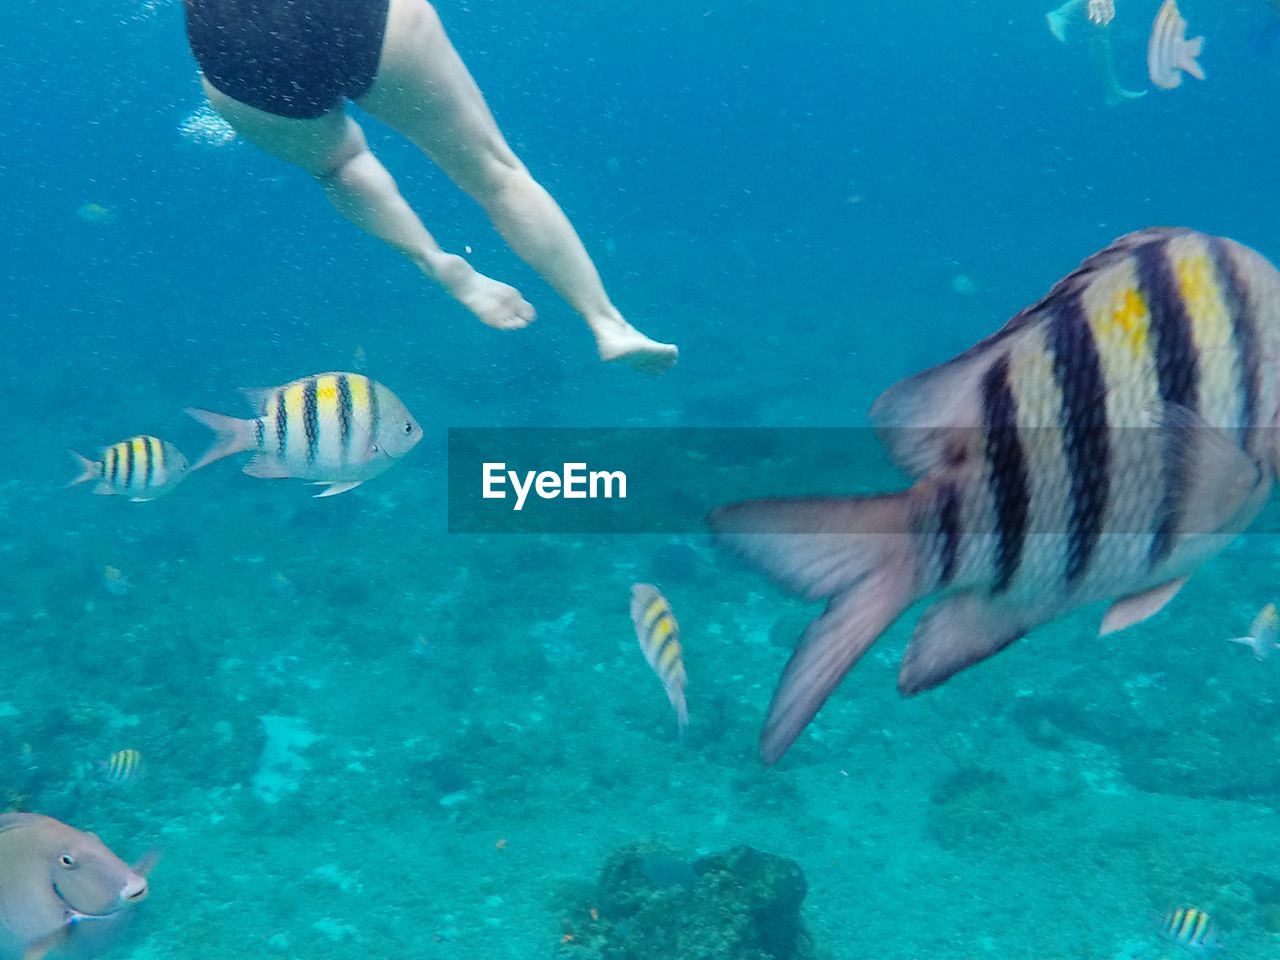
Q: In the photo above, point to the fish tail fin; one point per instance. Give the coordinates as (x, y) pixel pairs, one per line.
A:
(88, 470)
(858, 554)
(680, 705)
(1187, 58)
(233, 436)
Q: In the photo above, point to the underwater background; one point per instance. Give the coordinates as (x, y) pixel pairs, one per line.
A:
(366, 736)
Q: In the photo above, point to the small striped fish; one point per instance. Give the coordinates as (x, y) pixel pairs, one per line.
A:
(659, 637)
(1101, 446)
(123, 766)
(140, 468)
(339, 429)
(1169, 52)
(1192, 930)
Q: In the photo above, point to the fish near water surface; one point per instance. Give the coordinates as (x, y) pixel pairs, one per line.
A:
(339, 429)
(61, 889)
(1101, 446)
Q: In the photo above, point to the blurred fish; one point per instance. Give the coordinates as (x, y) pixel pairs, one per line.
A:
(115, 582)
(1192, 930)
(96, 213)
(339, 429)
(963, 284)
(60, 889)
(123, 766)
(659, 637)
(140, 468)
(359, 359)
(1263, 633)
(1102, 445)
(1169, 52)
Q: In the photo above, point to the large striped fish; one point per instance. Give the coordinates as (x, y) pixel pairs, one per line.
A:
(339, 429)
(140, 468)
(1066, 459)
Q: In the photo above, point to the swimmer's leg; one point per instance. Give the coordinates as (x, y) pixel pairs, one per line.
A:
(1061, 19)
(424, 90)
(1105, 63)
(332, 148)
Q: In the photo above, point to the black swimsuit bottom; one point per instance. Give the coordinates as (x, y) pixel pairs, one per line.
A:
(293, 58)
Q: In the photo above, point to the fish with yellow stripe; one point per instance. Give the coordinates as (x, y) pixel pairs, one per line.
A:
(1104, 444)
(1191, 929)
(122, 767)
(140, 468)
(659, 637)
(339, 429)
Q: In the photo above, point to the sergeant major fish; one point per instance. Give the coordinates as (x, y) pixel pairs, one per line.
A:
(140, 468)
(60, 889)
(1262, 633)
(339, 429)
(659, 638)
(1064, 460)
(1192, 930)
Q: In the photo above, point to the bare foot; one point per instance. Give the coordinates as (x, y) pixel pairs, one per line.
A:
(621, 341)
(496, 304)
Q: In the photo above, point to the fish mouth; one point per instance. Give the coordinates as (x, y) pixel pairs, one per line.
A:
(74, 914)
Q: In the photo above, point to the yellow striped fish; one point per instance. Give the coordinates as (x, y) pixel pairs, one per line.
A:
(1192, 930)
(140, 468)
(339, 429)
(659, 637)
(123, 766)
(1101, 446)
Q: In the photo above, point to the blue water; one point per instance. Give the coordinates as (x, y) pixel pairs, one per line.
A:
(812, 201)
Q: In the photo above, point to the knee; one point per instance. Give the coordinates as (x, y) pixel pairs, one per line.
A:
(498, 176)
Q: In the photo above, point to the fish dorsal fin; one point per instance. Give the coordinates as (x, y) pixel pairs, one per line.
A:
(927, 419)
(259, 397)
(1137, 607)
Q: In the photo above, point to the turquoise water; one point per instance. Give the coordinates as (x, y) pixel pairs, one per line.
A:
(368, 737)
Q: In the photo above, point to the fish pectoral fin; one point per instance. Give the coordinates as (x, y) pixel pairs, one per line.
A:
(267, 468)
(1219, 479)
(102, 488)
(1137, 607)
(337, 488)
(953, 634)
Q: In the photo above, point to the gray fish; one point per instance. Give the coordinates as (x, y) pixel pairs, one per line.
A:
(1169, 52)
(61, 889)
(1101, 446)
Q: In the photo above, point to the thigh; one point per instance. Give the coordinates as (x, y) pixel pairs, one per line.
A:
(424, 90)
(316, 145)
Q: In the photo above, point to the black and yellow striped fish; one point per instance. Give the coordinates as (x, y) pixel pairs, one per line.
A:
(123, 766)
(140, 468)
(1192, 930)
(1102, 445)
(659, 637)
(339, 429)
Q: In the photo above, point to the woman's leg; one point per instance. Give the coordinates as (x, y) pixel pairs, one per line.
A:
(424, 90)
(332, 149)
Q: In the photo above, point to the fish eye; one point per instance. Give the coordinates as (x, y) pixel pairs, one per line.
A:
(67, 860)
(408, 427)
